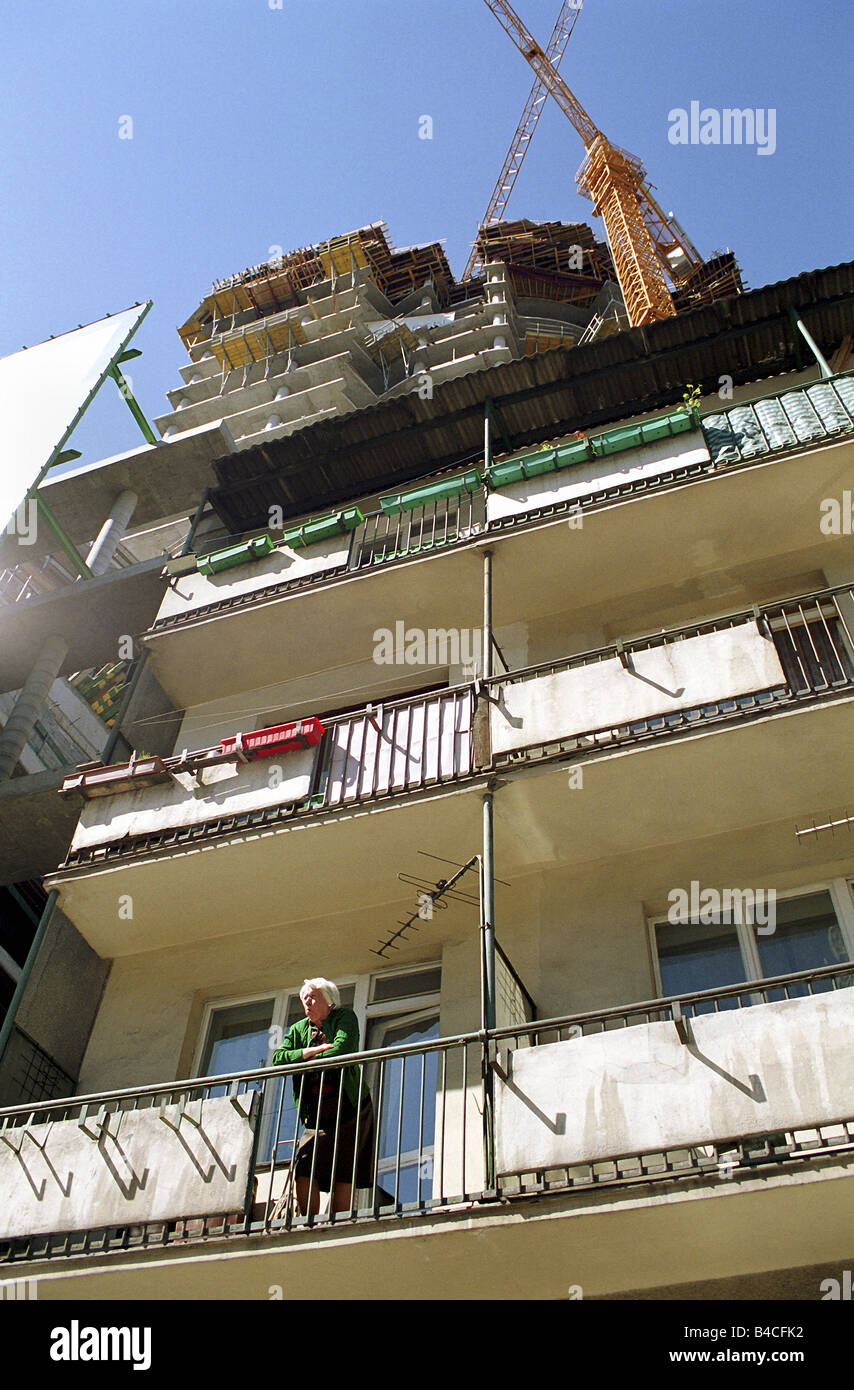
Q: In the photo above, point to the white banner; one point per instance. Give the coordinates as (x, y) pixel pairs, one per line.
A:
(43, 391)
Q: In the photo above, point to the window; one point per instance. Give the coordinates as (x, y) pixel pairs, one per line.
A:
(713, 949)
(20, 907)
(393, 1008)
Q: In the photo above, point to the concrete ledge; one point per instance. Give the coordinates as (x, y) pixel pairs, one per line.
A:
(92, 613)
(603, 1243)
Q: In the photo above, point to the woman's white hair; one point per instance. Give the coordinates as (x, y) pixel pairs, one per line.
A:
(329, 990)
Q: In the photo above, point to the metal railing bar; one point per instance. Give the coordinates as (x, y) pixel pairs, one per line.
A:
(274, 1151)
(463, 1144)
(443, 1129)
(333, 1179)
(420, 1164)
(840, 654)
(818, 661)
(357, 1133)
(452, 1041)
(797, 654)
(399, 1131)
(779, 609)
(377, 1133)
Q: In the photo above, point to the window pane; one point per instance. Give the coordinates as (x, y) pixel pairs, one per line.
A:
(806, 935)
(238, 1038)
(698, 955)
(17, 928)
(7, 990)
(398, 1107)
(404, 986)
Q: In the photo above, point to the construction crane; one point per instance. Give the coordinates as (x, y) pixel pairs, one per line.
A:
(537, 97)
(648, 247)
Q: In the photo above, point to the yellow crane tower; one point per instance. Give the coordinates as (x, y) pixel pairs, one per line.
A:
(648, 247)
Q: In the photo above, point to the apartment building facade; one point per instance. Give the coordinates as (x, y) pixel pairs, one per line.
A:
(520, 708)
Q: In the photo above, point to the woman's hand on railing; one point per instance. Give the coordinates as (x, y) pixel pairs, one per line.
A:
(309, 1052)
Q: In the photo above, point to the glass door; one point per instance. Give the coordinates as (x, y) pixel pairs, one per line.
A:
(404, 1097)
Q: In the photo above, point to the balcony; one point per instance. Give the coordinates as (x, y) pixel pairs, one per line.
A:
(577, 474)
(715, 700)
(740, 1095)
(787, 420)
(696, 478)
(747, 663)
(403, 753)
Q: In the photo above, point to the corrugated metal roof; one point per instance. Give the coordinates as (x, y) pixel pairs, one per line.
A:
(747, 337)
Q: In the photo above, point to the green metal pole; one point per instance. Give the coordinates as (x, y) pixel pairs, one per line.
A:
(133, 407)
(801, 328)
(62, 536)
(9, 1020)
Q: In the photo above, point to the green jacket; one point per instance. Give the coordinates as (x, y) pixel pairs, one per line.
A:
(341, 1028)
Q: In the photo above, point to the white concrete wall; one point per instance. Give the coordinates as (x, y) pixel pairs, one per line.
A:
(678, 675)
(69, 1178)
(204, 725)
(779, 1066)
(226, 790)
(582, 479)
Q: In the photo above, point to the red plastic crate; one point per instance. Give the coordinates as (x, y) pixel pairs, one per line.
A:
(280, 738)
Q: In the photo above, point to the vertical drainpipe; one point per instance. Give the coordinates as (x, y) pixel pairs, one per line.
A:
(9, 1020)
(487, 864)
(30, 701)
(488, 987)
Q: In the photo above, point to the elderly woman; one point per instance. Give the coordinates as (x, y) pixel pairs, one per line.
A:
(325, 1099)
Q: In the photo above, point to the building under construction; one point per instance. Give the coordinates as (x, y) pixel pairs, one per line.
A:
(448, 642)
(348, 322)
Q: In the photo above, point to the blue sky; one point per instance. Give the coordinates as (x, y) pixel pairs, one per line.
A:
(256, 127)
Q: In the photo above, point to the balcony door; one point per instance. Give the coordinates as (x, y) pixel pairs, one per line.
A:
(404, 1096)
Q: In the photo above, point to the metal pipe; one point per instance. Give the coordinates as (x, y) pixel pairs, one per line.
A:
(11, 1012)
(487, 614)
(488, 912)
(488, 947)
(29, 703)
(127, 395)
(799, 324)
(112, 532)
(194, 524)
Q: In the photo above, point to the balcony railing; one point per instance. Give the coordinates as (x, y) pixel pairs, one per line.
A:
(405, 746)
(383, 537)
(811, 634)
(383, 750)
(756, 661)
(785, 420)
(232, 1144)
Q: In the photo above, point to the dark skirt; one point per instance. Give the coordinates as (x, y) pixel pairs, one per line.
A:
(317, 1146)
